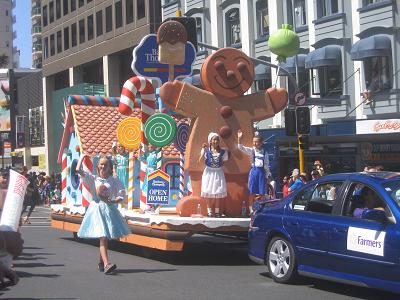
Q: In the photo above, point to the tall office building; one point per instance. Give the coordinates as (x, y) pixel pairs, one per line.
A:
(36, 17)
(6, 34)
(87, 49)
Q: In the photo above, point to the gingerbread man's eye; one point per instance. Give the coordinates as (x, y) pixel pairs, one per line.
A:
(219, 65)
(241, 66)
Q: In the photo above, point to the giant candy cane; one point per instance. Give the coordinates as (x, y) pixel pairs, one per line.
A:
(86, 194)
(127, 101)
(64, 174)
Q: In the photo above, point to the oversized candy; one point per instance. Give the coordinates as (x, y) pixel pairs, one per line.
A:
(182, 136)
(160, 129)
(171, 40)
(128, 133)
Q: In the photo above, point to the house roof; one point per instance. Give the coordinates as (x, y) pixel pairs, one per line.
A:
(96, 126)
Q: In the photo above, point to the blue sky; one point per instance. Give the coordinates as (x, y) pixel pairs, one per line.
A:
(23, 42)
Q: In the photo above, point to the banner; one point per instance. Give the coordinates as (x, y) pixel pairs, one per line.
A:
(13, 204)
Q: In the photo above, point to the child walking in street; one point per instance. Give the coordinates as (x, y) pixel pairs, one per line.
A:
(213, 183)
(102, 219)
(259, 167)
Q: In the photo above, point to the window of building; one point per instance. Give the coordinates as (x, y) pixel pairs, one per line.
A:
(59, 42)
(262, 18)
(36, 127)
(199, 31)
(7, 28)
(52, 45)
(6, 12)
(88, 1)
(46, 47)
(81, 3)
(73, 5)
(66, 38)
(65, 7)
(368, 2)
(99, 23)
(58, 9)
(172, 169)
(129, 11)
(327, 81)
(51, 12)
(327, 8)
(232, 21)
(300, 15)
(108, 18)
(44, 15)
(90, 27)
(377, 73)
(118, 14)
(81, 31)
(141, 9)
(7, 44)
(73, 35)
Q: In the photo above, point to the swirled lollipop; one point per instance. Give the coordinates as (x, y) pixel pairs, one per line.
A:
(128, 133)
(160, 129)
(182, 136)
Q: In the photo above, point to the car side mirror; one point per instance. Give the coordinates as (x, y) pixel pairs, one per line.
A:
(375, 215)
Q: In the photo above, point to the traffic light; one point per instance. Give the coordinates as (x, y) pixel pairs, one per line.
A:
(304, 142)
(290, 122)
(303, 120)
(190, 25)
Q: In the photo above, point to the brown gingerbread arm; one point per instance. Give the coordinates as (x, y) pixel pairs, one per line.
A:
(170, 91)
(278, 97)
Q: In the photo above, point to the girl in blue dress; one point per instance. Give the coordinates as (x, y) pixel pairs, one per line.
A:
(121, 164)
(102, 219)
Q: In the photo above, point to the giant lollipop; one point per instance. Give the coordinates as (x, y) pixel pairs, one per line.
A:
(128, 133)
(160, 129)
(182, 136)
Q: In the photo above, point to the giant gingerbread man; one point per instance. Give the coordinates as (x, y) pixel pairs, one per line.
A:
(222, 107)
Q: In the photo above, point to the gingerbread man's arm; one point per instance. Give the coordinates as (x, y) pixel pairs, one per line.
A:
(170, 91)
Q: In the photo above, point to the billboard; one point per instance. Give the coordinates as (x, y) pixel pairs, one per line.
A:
(5, 119)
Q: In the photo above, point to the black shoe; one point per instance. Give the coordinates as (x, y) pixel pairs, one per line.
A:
(109, 268)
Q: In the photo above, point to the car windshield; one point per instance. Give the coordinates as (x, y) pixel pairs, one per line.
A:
(393, 189)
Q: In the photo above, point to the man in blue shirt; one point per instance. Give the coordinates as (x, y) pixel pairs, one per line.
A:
(297, 182)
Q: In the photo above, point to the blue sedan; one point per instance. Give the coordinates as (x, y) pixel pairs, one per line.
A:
(342, 227)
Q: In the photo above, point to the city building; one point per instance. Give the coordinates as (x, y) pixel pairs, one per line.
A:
(87, 49)
(347, 68)
(36, 17)
(6, 34)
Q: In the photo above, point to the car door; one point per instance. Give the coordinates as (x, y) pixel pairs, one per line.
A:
(308, 222)
(364, 247)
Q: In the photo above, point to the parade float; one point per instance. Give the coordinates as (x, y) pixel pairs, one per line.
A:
(171, 210)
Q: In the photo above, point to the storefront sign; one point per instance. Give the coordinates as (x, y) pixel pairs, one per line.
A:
(378, 126)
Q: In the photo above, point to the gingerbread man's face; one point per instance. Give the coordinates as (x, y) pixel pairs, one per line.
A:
(228, 72)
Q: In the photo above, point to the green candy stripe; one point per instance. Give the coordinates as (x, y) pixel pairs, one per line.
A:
(160, 129)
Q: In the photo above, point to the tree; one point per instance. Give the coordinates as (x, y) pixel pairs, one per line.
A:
(4, 60)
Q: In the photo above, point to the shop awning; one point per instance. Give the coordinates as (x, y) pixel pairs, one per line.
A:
(376, 45)
(290, 65)
(262, 72)
(193, 80)
(324, 57)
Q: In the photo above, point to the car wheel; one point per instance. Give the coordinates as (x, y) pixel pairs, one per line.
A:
(280, 260)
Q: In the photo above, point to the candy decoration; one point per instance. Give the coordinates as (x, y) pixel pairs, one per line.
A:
(182, 136)
(181, 174)
(160, 129)
(86, 194)
(131, 169)
(127, 102)
(129, 133)
(93, 100)
(64, 174)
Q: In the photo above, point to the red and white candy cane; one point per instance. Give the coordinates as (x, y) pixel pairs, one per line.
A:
(64, 174)
(86, 194)
(127, 102)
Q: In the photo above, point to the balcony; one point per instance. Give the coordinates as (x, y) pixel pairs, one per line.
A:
(36, 12)
(36, 30)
